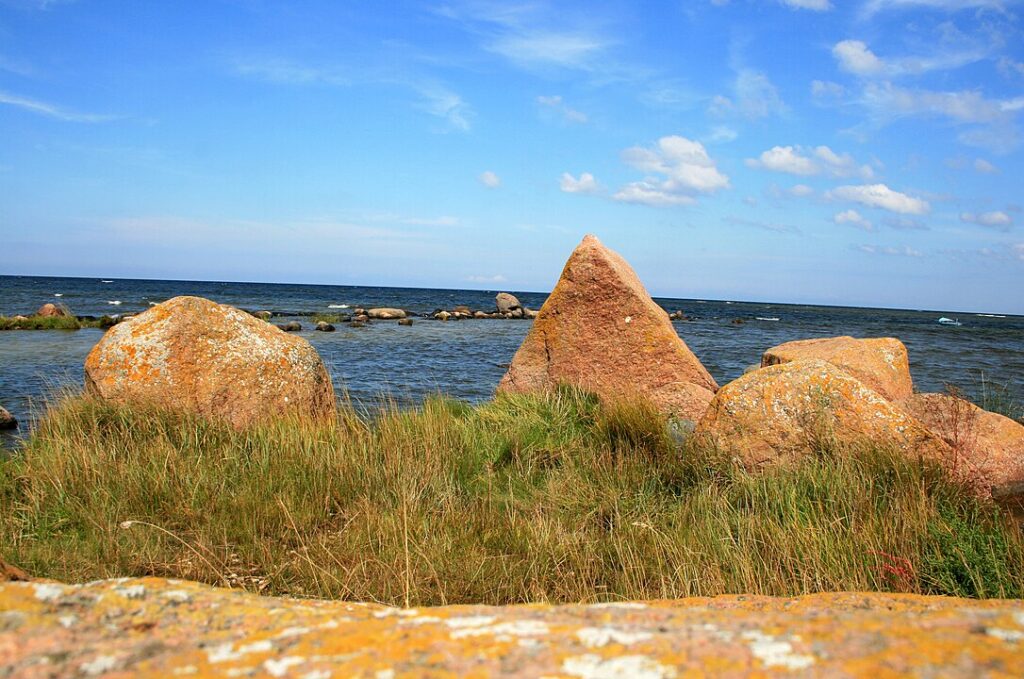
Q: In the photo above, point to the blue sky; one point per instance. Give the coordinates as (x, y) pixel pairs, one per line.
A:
(863, 153)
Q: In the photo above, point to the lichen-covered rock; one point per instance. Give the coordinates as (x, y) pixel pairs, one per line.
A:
(777, 413)
(385, 313)
(162, 628)
(880, 363)
(599, 329)
(989, 446)
(191, 354)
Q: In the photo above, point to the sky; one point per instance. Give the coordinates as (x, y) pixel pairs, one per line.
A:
(811, 151)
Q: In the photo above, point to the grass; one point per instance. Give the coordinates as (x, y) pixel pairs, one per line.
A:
(55, 322)
(526, 498)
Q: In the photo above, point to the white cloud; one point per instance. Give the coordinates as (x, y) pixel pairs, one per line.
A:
(497, 278)
(881, 196)
(1018, 251)
(795, 160)
(784, 159)
(548, 48)
(826, 89)
(853, 218)
(996, 219)
(721, 134)
(441, 102)
(985, 167)
(898, 251)
(968, 106)
(555, 103)
(872, 7)
(685, 168)
(855, 57)
(800, 190)
(585, 184)
(813, 5)
(49, 110)
(489, 179)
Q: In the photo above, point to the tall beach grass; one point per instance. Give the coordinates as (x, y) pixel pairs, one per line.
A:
(526, 498)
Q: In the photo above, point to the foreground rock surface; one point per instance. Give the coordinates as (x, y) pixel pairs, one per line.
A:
(192, 354)
(775, 413)
(989, 445)
(881, 363)
(156, 627)
(599, 329)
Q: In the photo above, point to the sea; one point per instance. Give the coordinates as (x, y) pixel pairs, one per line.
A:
(466, 359)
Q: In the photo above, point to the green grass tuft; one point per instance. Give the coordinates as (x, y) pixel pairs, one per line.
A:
(552, 497)
(54, 322)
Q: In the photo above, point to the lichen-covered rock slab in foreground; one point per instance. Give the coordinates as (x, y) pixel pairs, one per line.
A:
(156, 627)
(191, 354)
(599, 329)
(779, 412)
(881, 363)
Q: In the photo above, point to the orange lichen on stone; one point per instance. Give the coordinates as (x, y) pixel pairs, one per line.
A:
(156, 627)
(779, 412)
(988, 445)
(880, 363)
(599, 329)
(192, 354)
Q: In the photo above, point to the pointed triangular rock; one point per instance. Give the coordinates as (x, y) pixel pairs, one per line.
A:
(599, 329)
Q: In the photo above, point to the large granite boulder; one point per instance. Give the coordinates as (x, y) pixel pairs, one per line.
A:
(879, 362)
(7, 421)
(778, 413)
(599, 329)
(51, 310)
(988, 445)
(161, 628)
(192, 354)
(506, 302)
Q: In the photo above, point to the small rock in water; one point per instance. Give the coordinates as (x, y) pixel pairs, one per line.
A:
(442, 315)
(324, 326)
(356, 323)
(290, 326)
(263, 315)
(385, 313)
(405, 321)
(51, 310)
(7, 421)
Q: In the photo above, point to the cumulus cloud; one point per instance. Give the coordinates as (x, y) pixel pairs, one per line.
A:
(556, 104)
(855, 57)
(490, 179)
(853, 218)
(798, 161)
(995, 219)
(585, 184)
(898, 251)
(880, 196)
(678, 169)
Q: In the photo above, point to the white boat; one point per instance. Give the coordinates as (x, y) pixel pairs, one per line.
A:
(949, 321)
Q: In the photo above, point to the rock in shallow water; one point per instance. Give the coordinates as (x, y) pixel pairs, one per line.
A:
(599, 329)
(157, 627)
(191, 354)
(7, 421)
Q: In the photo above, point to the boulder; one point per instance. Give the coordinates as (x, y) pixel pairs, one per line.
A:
(191, 354)
(463, 309)
(988, 445)
(442, 315)
(517, 313)
(53, 310)
(356, 323)
(599, 329)
(506, 302)
(154, 627)
(7, 421)
(405, 321)
(878, 362)
(290, 326)
(480, 314)
(529, 313)
(263, 315)
(777, 413)
(386, 314)
(324, 326)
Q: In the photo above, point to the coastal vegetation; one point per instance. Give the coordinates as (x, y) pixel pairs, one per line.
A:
(38, 322)
(552, 496)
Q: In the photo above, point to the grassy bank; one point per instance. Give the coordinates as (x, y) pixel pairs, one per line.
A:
(54, 322)
(522, 499)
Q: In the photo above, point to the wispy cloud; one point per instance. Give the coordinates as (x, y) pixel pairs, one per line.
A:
(854, 56)
(995, 219)
(890, 251)
(808, 162)
(853, 218)
(556, 104)
(775, 227)
(51, 111)
(753, 96)
(872, 7)
(496, 278)
(490, 179)
(880, 196)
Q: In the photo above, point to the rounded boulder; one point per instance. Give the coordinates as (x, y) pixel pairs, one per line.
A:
(191, 354)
